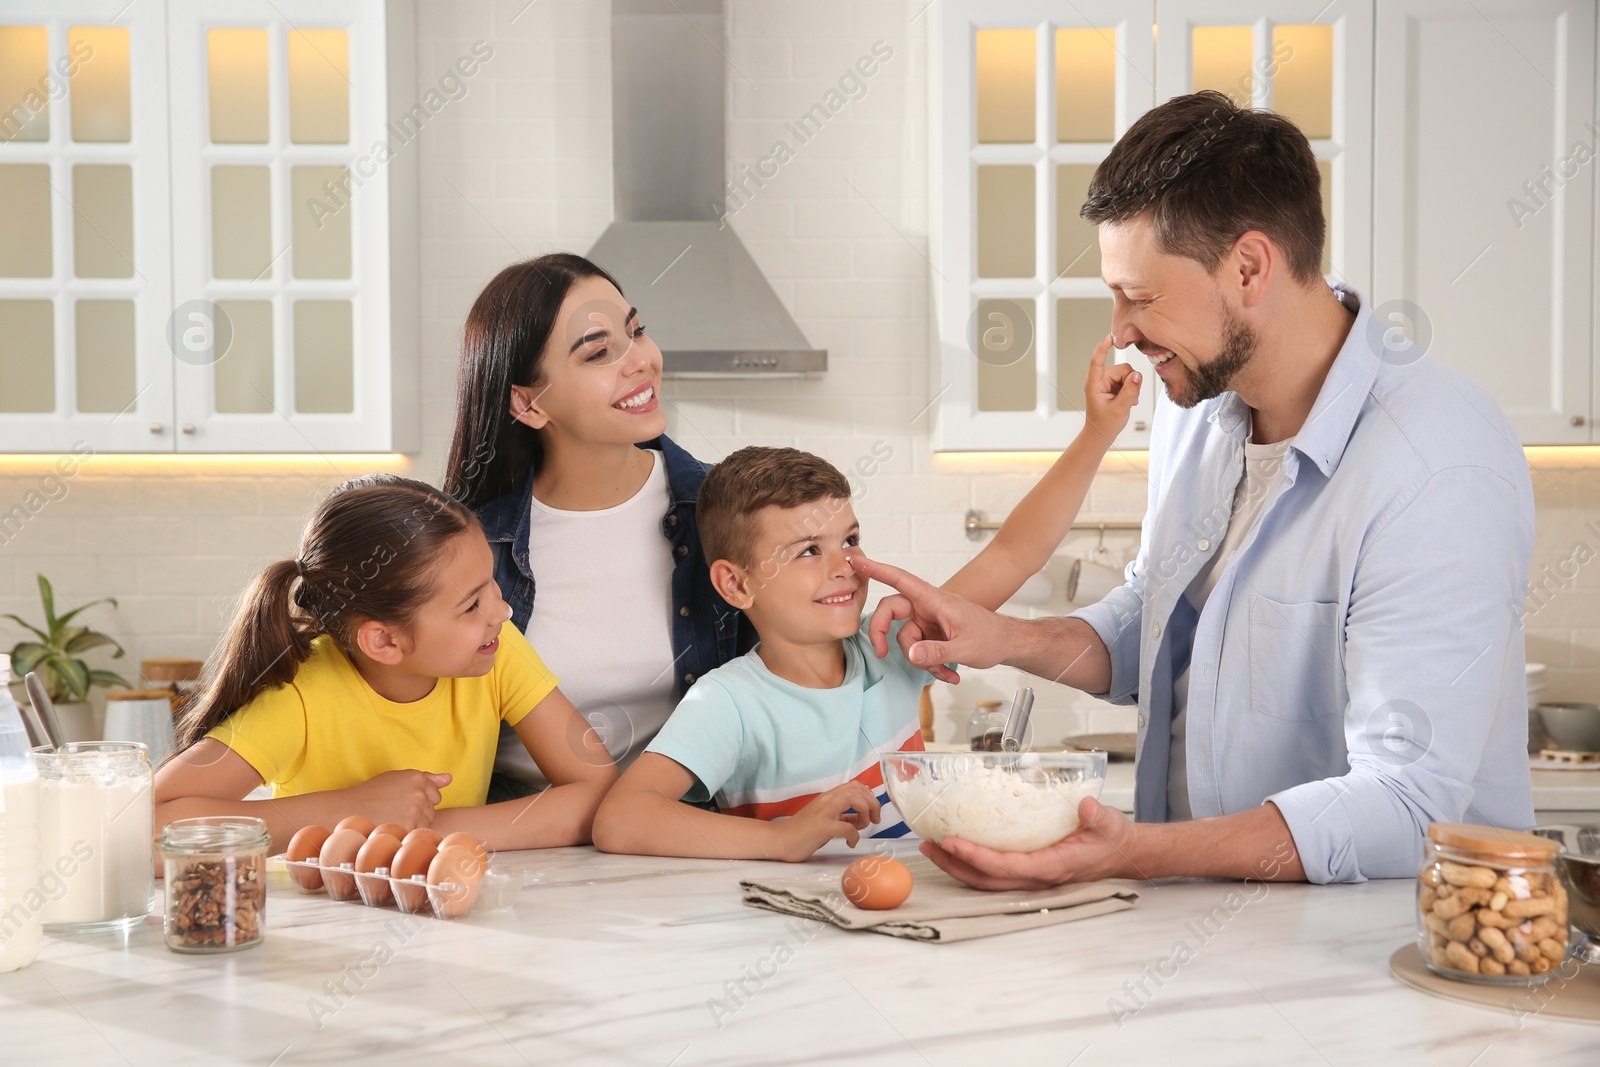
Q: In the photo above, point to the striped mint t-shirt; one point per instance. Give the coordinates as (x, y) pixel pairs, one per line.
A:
(764, 747)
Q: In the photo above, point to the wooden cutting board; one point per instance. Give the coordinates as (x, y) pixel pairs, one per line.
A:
(1571, 992)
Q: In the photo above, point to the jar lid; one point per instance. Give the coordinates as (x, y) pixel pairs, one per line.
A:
(171, 670)
(138, 694)
(215, 832)
(1493, 841)
(989, 703)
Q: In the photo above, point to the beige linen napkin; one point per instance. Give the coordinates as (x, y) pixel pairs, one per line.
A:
(940, 908)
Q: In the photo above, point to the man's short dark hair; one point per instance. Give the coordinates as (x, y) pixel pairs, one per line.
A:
(1208, 171)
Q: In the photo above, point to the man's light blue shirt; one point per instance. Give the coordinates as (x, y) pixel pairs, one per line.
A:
(1360, 662)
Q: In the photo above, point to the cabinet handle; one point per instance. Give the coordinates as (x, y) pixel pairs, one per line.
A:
(156, 427)
(188, 427)
(1577, 420)
(1138, 424)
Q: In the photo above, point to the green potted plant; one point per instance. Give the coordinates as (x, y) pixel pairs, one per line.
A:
(55, 655)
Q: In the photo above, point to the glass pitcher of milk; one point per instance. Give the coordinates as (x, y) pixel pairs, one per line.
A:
(20, 902)
(96, 815)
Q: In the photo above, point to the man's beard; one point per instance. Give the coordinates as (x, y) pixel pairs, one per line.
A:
(1212, 378)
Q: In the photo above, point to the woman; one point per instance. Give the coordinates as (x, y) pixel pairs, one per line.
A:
(560, 449)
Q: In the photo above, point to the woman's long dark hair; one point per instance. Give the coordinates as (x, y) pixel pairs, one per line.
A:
(501, 344)
(369, 553)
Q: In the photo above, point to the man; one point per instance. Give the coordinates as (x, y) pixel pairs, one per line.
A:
(1322, 629)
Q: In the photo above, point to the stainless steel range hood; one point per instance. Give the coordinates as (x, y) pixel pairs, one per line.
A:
(701, 295)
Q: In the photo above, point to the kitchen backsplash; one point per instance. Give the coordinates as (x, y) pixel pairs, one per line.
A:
(521, 165)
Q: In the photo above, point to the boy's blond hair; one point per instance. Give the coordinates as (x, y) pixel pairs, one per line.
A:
(754, 478)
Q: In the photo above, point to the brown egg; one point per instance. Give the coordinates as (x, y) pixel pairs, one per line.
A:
(356, 822)
(466, 840)
(413, 858)
(876, 883)
(378, 851)
(422, 833)
(462, 869)
(305, 845)
(341, 846)
(393, 829)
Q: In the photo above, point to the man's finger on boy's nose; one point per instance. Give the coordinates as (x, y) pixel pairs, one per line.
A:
(890, 575)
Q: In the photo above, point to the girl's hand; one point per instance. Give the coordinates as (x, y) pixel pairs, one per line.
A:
(843, 811)
(405, 797)
(1109, 394)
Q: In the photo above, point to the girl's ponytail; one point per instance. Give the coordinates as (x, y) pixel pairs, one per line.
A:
(370, 552)
(264, 646)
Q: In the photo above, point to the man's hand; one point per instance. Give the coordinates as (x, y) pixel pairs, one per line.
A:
(406, 797)
(1109, 393)
(843, 811)
(1099, 848)
(941, 627)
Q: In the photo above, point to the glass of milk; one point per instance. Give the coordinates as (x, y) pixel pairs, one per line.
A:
(95, 828)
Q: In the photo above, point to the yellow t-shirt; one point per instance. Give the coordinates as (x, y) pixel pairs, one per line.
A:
(328, 729)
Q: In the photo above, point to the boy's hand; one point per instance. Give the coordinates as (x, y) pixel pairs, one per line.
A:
(1109, 394)
(825, 818)
(405, 797)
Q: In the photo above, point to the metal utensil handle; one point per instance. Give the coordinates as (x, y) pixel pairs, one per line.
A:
(44, 709)
(1017, 721)
(37, 738)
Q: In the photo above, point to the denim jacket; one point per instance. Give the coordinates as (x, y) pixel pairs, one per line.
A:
(706, 632)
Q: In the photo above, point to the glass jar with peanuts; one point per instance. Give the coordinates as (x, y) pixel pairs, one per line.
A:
(1490, 906)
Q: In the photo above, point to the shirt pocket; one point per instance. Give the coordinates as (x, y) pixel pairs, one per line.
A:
(1295, 656)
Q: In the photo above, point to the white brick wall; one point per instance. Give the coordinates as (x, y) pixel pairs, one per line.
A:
(521, 166)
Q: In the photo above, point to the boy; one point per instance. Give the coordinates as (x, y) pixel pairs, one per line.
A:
(788, 735)
(787, 738)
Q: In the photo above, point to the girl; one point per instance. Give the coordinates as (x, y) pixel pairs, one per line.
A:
(560, 446)
(370, 675)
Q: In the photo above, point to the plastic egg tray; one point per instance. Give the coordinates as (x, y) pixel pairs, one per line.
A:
(379, 889)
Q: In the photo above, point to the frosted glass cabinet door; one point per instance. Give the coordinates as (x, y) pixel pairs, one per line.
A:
(1309, 60)
(1483, 221)
(1029, 98)
(286, 253)
(85, 260)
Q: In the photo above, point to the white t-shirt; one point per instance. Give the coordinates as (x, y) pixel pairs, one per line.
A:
(1262, 466)
(602, 617)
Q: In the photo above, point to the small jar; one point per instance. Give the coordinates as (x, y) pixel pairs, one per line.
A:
(216, 875)
(1490, 905)
(986, 726)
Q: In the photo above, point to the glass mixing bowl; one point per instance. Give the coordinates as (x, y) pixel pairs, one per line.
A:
(1007, 801)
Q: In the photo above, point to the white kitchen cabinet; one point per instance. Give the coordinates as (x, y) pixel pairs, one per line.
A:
(1484, 208)
(1034, 273)
(1457, 142)
(85, 267)
(1307, 59)
(260, 258)
(1029, 96)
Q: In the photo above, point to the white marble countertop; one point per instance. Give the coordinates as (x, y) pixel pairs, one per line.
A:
(623, 960)
(1566, 790)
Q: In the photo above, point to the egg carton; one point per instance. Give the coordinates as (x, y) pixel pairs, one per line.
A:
(378, 889)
